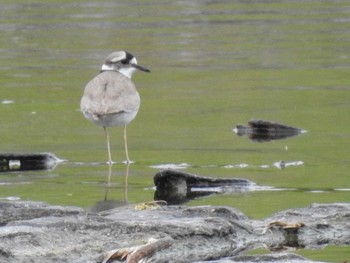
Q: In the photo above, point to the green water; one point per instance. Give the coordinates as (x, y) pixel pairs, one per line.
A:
(214, 64)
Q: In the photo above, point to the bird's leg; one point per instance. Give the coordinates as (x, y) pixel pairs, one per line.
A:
(126, 183)
(110, 162)
(126, 146)
(108, 181)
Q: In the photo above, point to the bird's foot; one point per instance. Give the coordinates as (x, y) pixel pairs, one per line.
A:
(110, 162)
(128, 162)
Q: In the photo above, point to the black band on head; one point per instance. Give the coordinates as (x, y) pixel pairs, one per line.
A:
(129, 56)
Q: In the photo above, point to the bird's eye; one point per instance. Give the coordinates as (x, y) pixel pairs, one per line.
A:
(124, 61)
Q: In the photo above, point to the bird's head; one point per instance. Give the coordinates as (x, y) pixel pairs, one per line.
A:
(122, 62)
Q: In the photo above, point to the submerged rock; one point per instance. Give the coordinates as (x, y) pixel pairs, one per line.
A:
(27, 162)
(38, 232)
(177, 187)
(264, 131)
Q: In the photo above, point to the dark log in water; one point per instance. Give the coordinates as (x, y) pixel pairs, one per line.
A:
(27, 162)
(264, 131)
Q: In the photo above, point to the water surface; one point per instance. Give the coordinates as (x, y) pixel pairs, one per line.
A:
(214, 64)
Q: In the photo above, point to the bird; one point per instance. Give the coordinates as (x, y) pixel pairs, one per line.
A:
(110, 98)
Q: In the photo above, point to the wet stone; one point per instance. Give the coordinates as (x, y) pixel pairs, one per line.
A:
(176, 187)
(14, 162)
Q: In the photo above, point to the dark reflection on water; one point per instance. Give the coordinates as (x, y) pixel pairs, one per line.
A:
(107, 203)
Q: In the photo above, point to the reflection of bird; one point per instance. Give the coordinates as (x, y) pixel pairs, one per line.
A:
(107, 203)
(111, 99)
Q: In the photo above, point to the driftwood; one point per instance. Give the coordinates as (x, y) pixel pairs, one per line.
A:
(136, 254)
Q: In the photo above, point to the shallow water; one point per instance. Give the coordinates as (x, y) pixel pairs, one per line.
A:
(215, 64)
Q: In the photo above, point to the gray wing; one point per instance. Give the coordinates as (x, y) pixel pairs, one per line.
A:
(110, 93)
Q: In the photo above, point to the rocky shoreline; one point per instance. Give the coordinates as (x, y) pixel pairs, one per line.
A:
(39, 232)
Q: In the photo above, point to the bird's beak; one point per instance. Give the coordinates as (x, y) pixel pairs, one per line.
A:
(140, 68)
